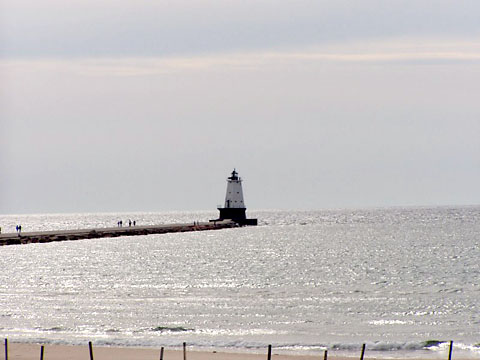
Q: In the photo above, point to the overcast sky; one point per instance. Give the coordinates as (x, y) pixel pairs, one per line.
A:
(143, 105)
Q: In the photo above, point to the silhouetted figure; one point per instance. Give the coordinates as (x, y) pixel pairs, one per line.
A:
(134, 222)
(129, 222)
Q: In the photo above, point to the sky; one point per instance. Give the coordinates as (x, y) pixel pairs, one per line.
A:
(143, 105)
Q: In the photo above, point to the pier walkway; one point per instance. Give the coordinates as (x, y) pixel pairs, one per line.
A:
(79, 234)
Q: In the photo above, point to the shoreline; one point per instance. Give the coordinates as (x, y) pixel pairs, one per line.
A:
(26, 351)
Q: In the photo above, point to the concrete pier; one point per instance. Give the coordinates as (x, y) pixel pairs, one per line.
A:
(79, 234)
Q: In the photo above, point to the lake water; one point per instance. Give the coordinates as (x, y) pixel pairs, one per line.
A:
(303, 281)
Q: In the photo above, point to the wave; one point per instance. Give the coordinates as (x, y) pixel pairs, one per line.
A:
(432, 343)
(174, 336)
(171, 329)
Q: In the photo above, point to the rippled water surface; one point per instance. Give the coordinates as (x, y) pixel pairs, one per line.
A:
(393, 278)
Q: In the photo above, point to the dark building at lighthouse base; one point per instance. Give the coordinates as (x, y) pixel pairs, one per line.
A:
(236, 214)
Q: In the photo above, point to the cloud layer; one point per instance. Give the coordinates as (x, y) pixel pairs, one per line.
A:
(52, 28)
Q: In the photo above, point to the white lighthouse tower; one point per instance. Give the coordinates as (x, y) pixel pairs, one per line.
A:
(234, 207)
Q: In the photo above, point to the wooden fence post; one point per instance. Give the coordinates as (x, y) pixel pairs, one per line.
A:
(450, 351)
(184, 351)
(91, 350)
(269, 355)
(6, 349)
(41, 352)
(161, 353)
(325, 355)
(363, 352)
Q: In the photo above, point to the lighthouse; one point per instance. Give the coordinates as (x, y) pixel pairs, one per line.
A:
(234, 207)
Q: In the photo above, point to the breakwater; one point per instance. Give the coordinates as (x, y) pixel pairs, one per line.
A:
(80, 234)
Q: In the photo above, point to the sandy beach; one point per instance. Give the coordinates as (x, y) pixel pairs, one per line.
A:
(21, 351)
